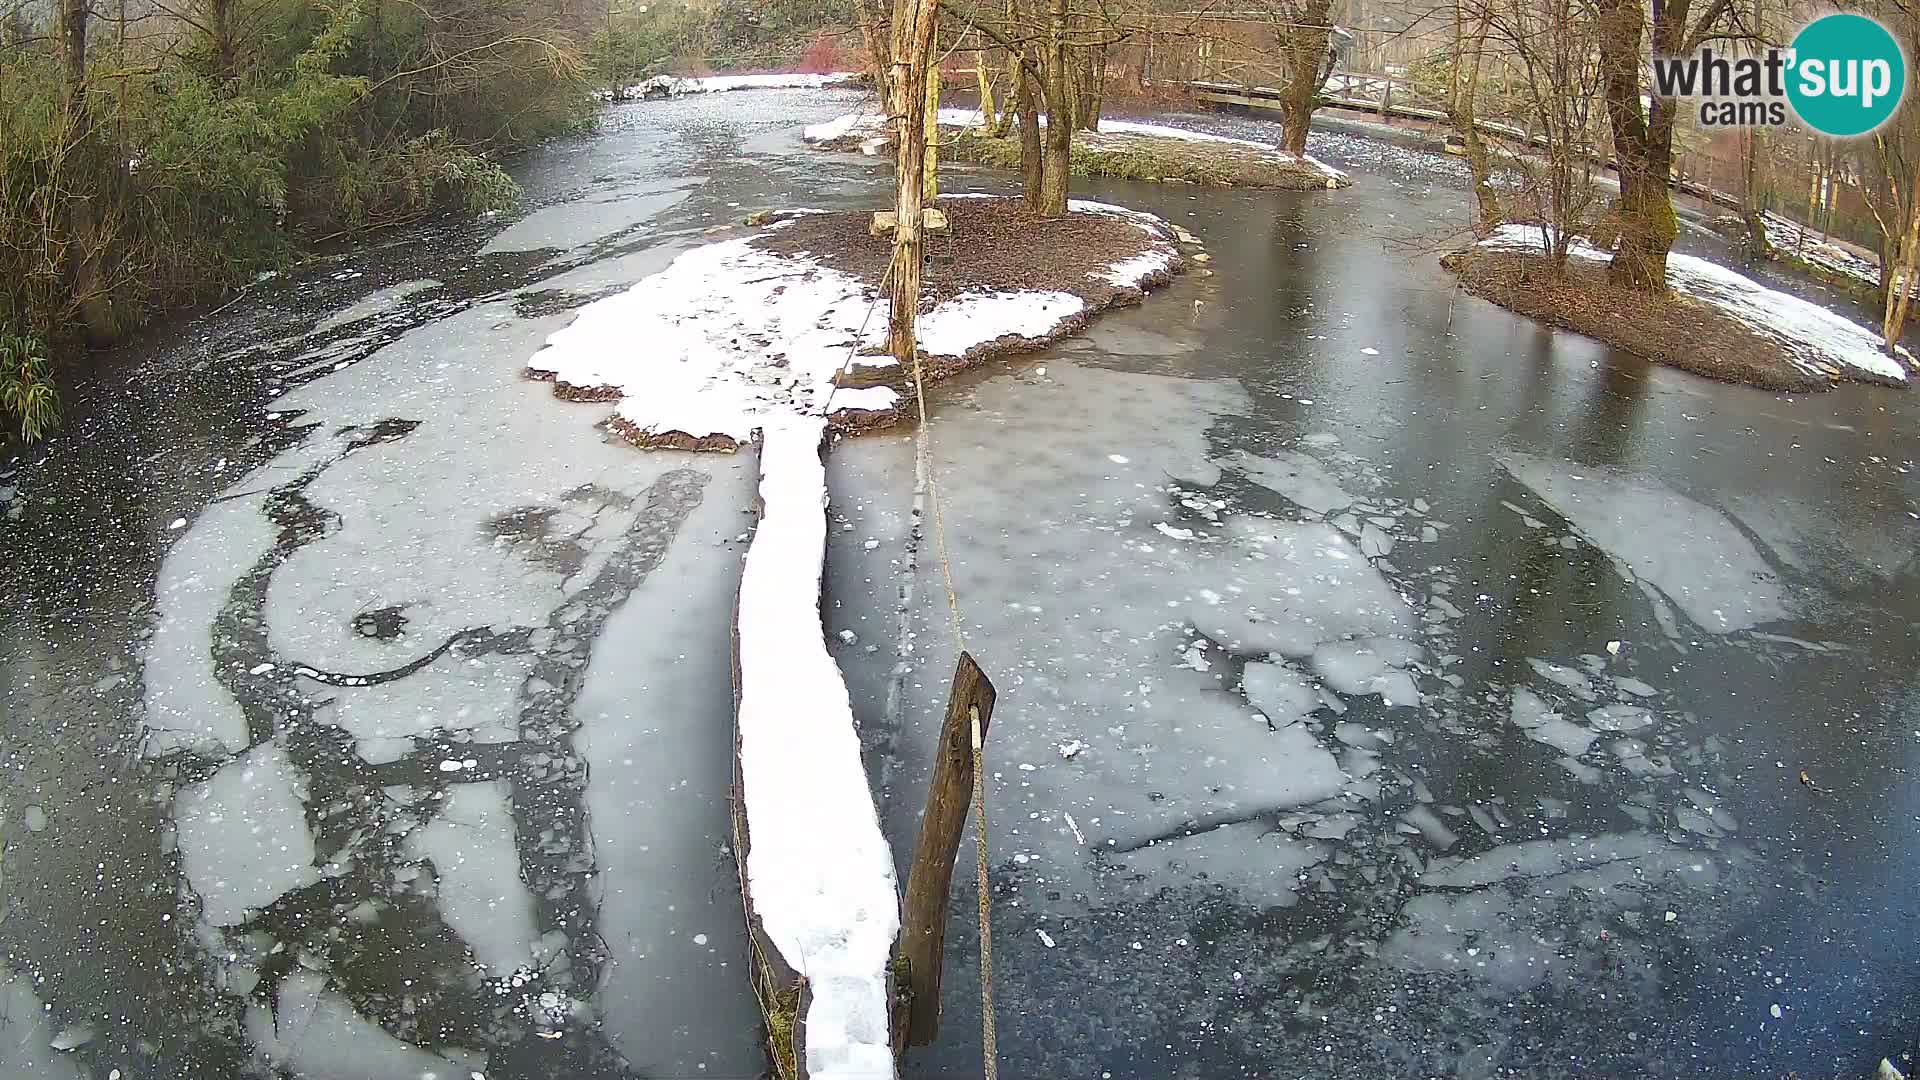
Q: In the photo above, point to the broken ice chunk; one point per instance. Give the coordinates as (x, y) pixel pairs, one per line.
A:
(1279, 692)
(1430, 826)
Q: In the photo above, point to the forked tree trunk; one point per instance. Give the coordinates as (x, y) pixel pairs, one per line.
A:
(1462, 110)
(1643, 150)
(1303, 50)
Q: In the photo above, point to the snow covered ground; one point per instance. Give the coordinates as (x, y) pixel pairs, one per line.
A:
(1113, 134)
(1817, 340)
(735, 336)
(1792, 238)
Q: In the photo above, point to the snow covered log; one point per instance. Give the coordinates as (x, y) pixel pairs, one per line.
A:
(817, 879)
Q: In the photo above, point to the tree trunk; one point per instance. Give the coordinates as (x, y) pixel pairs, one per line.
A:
(1461, 111)
(913, 26)
(1089, 81)
(1056, 179)
(1643, 151)
(1758, 246)
(930, 162)
(1057, 160)
(989, 111)
(1303, 49)
(220, 17)
(1032, 158)
(1900, 283)
(84, 240)
(873, 28)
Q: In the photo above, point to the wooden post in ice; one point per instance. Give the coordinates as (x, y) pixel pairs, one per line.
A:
(924, 925)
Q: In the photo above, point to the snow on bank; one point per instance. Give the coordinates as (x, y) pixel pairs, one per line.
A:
(730, 335)
(1113, 135)
(1789, 237)
(677, 86)
(818, 869)
(1818, 341)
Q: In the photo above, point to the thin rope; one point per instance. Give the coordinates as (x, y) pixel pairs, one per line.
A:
(989, 1041)
(923, 452)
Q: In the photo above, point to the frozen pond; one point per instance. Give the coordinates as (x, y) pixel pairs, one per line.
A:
(1388, 686)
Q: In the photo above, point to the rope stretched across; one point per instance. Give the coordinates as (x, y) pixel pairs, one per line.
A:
(923, 451)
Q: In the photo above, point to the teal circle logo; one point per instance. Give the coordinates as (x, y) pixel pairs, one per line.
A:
(1848, 75)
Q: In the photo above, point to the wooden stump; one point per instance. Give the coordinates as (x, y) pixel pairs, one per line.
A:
(949, 794)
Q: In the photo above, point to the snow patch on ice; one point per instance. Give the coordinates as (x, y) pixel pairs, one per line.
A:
(27, 1049)
(315, 1034)
(243, 835)
(818, 869)
(1691, 553)
(187, 707)
(470, 844)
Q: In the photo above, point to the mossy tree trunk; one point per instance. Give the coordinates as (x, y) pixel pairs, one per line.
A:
(1032, 163)
(1056, 87)
(1642, 140)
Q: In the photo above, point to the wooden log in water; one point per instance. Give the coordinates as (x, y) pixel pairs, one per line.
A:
(949, 794)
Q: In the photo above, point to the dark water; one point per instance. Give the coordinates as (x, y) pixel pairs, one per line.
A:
(476, 803)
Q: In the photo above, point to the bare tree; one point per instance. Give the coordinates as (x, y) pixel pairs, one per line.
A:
(1303, 30)
(1466, 64)
(1549, 47)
